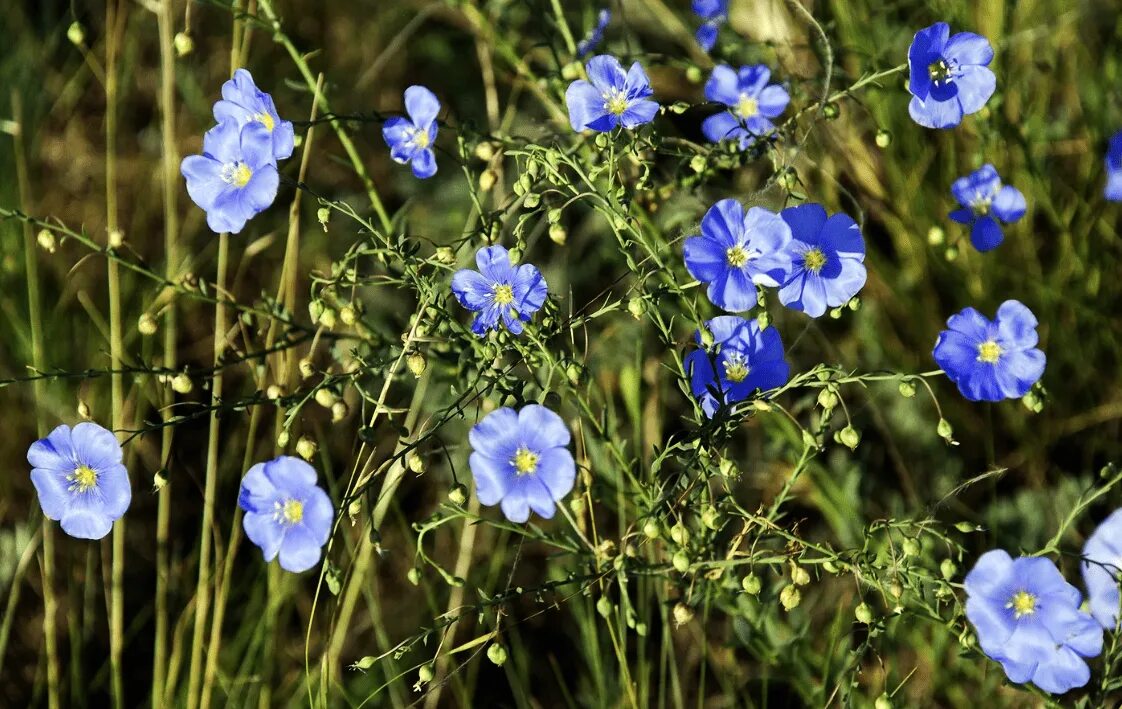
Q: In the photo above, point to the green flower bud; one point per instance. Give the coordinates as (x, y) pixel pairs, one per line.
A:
(948, 568)
(76, 34)
(604, 606)
(414, 576)
(323, 214)
(907, 389)
(652, 529)
(458, 495)
(636, 306)
(306, 448)
(325, 397)
(910, 547)
(693, 74)
(698, 163)
(884, 138)
(945, 430)
(936, 236)
(790, 598)
(417, 363)
(682, 614)
(425, 674)
(831, 111)
(184, 44)
(711, 518)
(679, 534)
(827, 399)
(146, 325)
(47, 241)
(799, 575)
(882, 702)
(557, 234)
(849, 437)
(445, 255)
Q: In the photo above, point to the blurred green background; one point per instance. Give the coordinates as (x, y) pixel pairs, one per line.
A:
(1059, 66)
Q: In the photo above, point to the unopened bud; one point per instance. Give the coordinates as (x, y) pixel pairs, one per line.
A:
(750, 584)
(945, 430)
(831, 111)
(604, 606)
(417, 363)
(425, 674)
(445, 255)
(414, 462)
(325, 397)
(907, 389)
(557, 234)
(323, 215)
(146, 325)
(184, 45)
(681, 562)
(636, 306)
(327, 318)
(116, 238)
(936, 235)
(711, 518)
(882, 702)
(347, 315)
(652, 529)
(790, 598)
(414, 576)
(339, 411)
(84, 410)
(827, 399)
(485, 151)
(799, 575)
(457, 495)
(182, 384)
(76, 34)
(849, 437)
(682, 614)
(884, 138)
(47, 241)
(910, 547)
(305, 367)
(680, 534)
(487, 180)
(274, 392)
(306, 448)
(283, 438)
(948, 569)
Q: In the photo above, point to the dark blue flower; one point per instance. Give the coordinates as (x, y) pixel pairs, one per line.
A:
(1028, 619)
(522, 460)
(1103, 554)
(991, 361)
(286, 513)
(236, 176)
(1113, 189)
(498, 291)
(410, 139)
(751, 101)
(713, 13)
(737, 251)
(742, 359)
(984, 201)
(948, 77)
(80, 479)
(595, 35)
(610, 97)
(827, 257)
(242, 102)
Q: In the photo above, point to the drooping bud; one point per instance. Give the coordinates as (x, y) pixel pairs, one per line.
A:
(496, 654)
(182, 384)
(325, 397)
(306, 448)
(184, 44)
(863, 613)
(682, 614)
(751, 584)
(47, 241)
(790, 597)
(146, 325)
(417, 363)
(457, 495)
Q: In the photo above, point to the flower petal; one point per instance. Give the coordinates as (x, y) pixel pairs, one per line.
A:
(986, 234)
(421, 105)
(606, 74)
(299, 549)
(975, 85)
(723, 86)
(1009, 205)
(541, 428)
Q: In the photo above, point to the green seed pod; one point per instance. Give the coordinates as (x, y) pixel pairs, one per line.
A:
(417, 363)
(945, 430)
(682, 614)
(487, 180)
(76, 34)
(751, 584)
(693, 74)
(652, 529)
(831, 111)
(604, 606)
(497, 654)
(325, 397)
(698, 163)
(680, 534)
(184, 44)
(681, 561)
(146, 325)
(948, 568)
(763, 320)
(849, 437)
(799, 575)
(863, 613)
(910, 547)
(711, 518)
(414, 462)
(47, 241)
(827, 399)
(907, 389)
(445, 255)
(425, 674)
(323, 214)
(636, 306)
(182, 383)
(557, 234)
(882, 702)
(414, 576)
(306, 448)
(532, 200)
(884, 138)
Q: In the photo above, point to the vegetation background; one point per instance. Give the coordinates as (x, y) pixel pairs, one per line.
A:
(73, 156)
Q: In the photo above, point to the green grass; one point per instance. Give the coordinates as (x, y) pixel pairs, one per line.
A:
(539, 590)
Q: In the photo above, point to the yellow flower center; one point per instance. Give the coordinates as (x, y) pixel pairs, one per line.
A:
(266, 120)
(615, 103)
(737, 256)
(83, 479)
(814, 260)
(989, 352)
(747, 106)
(504, 294)
(736, 370)
(1023, 603)
(525, 461)
(236, 174)
(293, 511)
(421, 138)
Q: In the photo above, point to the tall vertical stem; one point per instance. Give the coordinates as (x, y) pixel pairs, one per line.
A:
(114, 19)
(50, 602)
(171, 266)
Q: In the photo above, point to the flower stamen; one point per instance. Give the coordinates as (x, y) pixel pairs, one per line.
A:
(525, 461)
(237, 174)
(939, 72)
(989, 352)
(266, 120)
(1023, 603)
(83, 479)
(737, 256)
(747, 106)
(814, 259)
(291, 512)
(504, 294)
(615, 102)
(736, 369)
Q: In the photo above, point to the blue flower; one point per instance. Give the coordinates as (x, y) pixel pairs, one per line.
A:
(595, 35)
(1028, 619)
(751, 101)
(714, 13)
(743, 358)
(1113, 189)
(948, 77)
(498, 291)
(984, 201)
(410, 139)
(286, 513)
(80, 479)
(1103, 554)
(242, 102)
(736, 250)
(827, 258)
(610, 97)
(991, 361)
(236, 176)
(522, 460)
